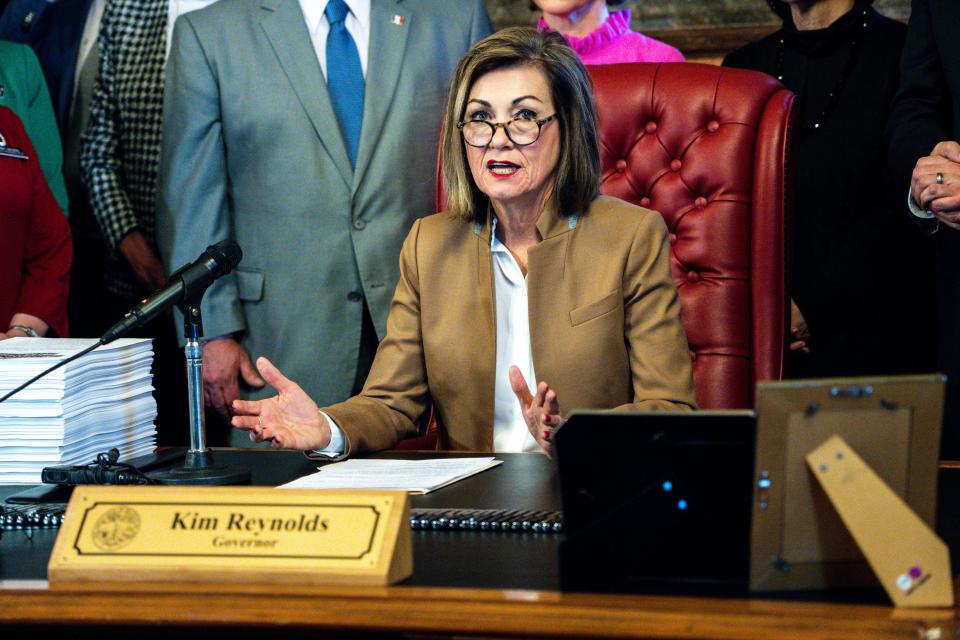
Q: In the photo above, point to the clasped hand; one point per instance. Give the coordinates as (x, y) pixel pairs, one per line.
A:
(940, 198)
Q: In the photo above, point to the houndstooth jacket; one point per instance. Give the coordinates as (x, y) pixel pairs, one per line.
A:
(120, 154)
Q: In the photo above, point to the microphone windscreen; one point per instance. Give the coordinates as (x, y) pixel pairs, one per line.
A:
(227, 254)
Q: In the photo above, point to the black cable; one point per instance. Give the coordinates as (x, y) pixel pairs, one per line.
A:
(53, 368)
(106, 469)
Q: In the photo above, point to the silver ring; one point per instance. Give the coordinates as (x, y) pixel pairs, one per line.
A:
(939, 178)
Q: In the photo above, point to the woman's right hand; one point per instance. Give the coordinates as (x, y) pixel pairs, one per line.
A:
(290, 419)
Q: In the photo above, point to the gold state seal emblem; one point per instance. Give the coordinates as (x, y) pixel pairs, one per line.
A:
(116, 528)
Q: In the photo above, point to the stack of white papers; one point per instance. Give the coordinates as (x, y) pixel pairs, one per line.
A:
(415, 476)
(99, 401)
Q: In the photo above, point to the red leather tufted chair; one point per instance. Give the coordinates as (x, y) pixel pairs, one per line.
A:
(708, 148)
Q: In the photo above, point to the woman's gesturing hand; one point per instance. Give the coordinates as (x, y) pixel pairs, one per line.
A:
(291, 419)
(541, 412)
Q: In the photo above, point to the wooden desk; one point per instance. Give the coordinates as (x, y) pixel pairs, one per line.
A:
(464, 583)
(487, 612)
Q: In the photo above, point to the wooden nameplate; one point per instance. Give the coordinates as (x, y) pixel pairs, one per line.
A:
(911, 562)
(216, 534)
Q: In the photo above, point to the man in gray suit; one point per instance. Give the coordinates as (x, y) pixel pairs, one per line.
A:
(259, 146)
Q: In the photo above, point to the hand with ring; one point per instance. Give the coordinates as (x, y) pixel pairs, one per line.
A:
(935, 183)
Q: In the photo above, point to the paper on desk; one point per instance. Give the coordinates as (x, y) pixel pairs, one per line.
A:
(100, 401)
(414, 476)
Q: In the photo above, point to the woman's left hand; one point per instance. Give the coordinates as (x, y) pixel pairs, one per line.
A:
(541, 412)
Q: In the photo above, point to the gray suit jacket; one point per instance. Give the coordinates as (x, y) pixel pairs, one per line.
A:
(252, 151)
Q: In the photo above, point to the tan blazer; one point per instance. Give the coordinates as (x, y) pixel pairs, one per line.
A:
(604, 325)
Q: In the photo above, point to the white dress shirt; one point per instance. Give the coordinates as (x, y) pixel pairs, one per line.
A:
(178, 8)
(510, 432)
(357, 23)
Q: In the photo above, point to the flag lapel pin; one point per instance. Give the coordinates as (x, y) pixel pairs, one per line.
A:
(397, 20)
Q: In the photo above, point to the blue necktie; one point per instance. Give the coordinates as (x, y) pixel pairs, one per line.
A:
(344, 77)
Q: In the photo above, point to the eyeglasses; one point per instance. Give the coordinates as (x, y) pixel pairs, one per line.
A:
(520, 130)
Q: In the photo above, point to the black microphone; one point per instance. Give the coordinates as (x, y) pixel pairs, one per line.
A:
(190, 281)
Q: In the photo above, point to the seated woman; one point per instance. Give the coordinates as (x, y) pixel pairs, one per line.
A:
(35, 246)
(530, 275)
(599, 36)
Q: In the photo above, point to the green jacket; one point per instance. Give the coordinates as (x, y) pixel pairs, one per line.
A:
(24, 91)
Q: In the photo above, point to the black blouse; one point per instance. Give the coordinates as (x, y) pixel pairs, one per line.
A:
(856, 258)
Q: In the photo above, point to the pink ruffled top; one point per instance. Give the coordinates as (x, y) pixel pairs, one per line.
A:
(614, 42)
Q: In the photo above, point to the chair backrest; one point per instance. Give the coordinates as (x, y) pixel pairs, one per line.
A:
(708, 147)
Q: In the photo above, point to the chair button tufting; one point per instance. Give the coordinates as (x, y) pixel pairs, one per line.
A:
(672, 237)
(651, 127)
(713, 126)
(621, 166)
(675, 165)
(693, 276)
(644, 201)
(700, 202)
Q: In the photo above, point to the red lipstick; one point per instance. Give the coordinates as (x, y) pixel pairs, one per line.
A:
(502, 169)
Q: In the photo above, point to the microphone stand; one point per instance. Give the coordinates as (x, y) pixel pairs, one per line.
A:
(198, 466)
